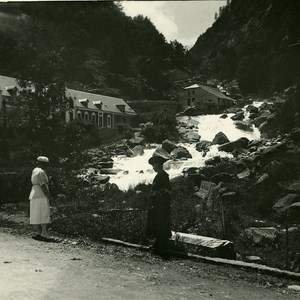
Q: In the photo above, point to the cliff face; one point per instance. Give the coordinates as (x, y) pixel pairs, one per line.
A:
(254, 42)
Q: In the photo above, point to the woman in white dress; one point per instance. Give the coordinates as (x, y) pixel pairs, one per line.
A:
(39, 198)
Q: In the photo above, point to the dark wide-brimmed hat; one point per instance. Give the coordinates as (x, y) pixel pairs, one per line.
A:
(156, 159)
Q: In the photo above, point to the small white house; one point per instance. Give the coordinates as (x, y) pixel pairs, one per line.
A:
(205, 98)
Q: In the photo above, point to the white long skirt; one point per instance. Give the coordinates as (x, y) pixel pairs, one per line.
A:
(39, 211)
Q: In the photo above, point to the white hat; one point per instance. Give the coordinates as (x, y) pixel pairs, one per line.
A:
(43, 159)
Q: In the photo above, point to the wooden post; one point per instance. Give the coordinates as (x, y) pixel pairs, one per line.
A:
(287, 241)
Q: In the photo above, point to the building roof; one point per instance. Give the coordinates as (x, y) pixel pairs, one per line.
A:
(7, 83)
(109, 104)
(92, 101)
(210, 90)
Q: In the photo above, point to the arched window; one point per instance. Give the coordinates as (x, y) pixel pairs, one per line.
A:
(79, 115)
(86, 117)
(93, 118)
(100, 120)
(109, 121)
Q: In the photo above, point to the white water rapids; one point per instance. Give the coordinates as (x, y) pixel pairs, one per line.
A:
(135, 170)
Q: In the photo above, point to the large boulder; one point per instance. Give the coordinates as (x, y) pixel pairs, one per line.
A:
(192, 137)
(160, 151)
(252, 109)
(168, 146)
(259, 120)
(261, 235)
(283, 204)
(213, 161)
(231, 146)
(180, 152)
(135, 151)
(220, 138)
(238, 116)
(182, 130)
(243, 125)
(203, 146)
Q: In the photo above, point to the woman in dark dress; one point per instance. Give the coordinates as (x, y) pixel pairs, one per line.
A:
(158, 219)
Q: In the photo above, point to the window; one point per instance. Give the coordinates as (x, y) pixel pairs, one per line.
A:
(188, 93)
(70, 116)
(100, 120)
(193, 92)
(86, 116)
(189, 102)
(93, 119)
(79, 115)
(109, 121)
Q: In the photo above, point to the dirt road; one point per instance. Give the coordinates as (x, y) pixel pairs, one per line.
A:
(37, 270)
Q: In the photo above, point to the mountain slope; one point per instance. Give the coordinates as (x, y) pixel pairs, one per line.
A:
(251, 41)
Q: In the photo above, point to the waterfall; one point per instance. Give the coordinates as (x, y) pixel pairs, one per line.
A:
(135, 170)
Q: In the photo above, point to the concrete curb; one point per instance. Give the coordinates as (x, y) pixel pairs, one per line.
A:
(219, 261)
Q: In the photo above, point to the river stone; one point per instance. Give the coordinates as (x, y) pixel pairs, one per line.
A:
(261, 235)
(203, 146)
(259, 120)
(105, 162)
(294, 287)
(192, 137)
(182, 130)
(220, 138)
(243, 125)
(253, 258)
(238, 116)
(213, 161)
(284, 203)
(168, 146)
(221, 177)
(180, 152)
(160, 151)
(252, 109)
(224, 116)
(231, 146)
(135, 151)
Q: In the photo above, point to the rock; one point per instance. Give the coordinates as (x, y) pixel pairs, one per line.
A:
(110, 171)
(244, 174)
(294, 287)
(239, 151)
(183, 130)
(221, 177)
(168, 146)
(213, 161)
(253, 116)
(253, 258)
(190, 111)
(283, 204)
(261, 235)
(135, 151)
(190, 171)
(180, 152)
(203, 146)
(160, 151)
(239, 143)
(220, 138)
(105, 162)
(243, 126)
(205, 245)
(259, 120)
(137, 140)
(252, 109)
(229, 197)
(262, 179)
(224, 116)
(288, 92)
(238, 116)
(192, 137)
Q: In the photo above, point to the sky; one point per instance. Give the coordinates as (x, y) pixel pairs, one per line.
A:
(180, 20)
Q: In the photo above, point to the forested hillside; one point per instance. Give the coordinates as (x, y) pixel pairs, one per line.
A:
(255, 42)
(89, 45)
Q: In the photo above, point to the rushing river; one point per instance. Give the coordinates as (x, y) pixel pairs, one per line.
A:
(135, 170)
